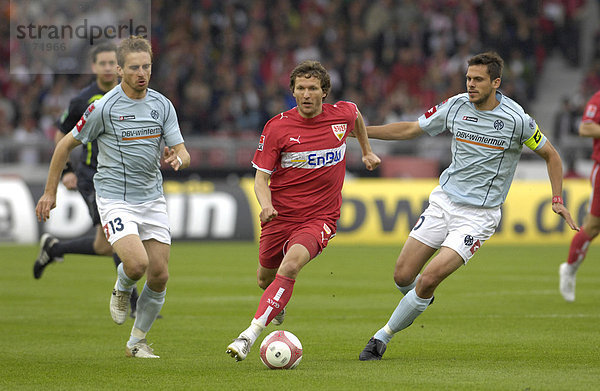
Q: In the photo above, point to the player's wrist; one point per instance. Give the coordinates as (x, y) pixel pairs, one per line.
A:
(557, 200)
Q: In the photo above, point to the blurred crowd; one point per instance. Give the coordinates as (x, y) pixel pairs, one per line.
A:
(225, 63)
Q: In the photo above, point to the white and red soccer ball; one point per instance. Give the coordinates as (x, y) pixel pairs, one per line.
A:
(281, 350)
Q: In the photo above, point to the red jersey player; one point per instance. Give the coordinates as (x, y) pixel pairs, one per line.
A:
(303, 153)
(589, 127)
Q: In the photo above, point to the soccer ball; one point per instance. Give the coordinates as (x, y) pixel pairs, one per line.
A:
(281, 350)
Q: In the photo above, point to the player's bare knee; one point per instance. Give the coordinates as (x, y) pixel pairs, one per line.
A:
(402, 281)
(136, 274)
(426, 285)
(162, 278)
(290, 269)
(265, 276)
(157, 281)
(263, 283)
(403, 277)
(135, 269)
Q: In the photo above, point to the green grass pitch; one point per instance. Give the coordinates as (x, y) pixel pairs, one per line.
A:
(497, 324)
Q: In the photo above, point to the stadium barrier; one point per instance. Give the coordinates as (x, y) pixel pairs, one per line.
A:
(374, 211)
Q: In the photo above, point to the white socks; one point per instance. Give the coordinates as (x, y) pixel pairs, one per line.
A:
(125, 284)
(405, 313)
(148, 307)
(406, 289)
(253, 332)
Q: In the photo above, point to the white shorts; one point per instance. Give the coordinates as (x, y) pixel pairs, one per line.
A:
(460, 227)
(148, 220)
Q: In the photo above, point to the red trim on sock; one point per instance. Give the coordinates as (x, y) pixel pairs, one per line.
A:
(579, 247)
(275, 298)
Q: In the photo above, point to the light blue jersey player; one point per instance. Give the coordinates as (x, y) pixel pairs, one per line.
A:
(129, 123)
(129, 134)
(489, 131)
(486, 147)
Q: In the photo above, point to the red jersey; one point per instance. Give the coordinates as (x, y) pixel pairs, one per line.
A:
(306, 158)
(592, 114)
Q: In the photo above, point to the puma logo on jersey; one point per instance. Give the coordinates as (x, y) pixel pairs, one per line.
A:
(295, 139)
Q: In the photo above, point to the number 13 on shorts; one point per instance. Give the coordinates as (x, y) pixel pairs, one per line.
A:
(112, 227)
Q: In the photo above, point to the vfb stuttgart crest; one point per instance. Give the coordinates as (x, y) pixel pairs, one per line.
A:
(339, 130)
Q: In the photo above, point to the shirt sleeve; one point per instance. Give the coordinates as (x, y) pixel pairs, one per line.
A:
(171, 127)
(433, 121)
(268, 151)
(353, 110)
(591, 113)
(534, 138)
(90, 125)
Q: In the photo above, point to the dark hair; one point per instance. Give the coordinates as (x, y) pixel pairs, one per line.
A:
(101, 48)
(494, 63)
(311, 68)
(135, 43)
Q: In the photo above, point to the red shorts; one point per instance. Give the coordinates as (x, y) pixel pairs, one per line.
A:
(278, 235)
(594, 207)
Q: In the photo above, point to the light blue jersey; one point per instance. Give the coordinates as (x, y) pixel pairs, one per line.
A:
(129, 134)
(486, 147)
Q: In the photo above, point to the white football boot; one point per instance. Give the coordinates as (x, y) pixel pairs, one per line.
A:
(278, 320)
(140, 350)
(119, 304)
(567, 282)
(239, 348)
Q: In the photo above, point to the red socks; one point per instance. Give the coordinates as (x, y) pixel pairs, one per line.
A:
(579, 247)
(275, 297)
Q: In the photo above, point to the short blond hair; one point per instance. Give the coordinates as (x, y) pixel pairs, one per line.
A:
(135, 43)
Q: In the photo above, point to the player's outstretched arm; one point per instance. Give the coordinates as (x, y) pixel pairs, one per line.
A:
(589, 129)
(395, 131)
(555, 173)
(177, 157)
(370, 159)
(61, 153)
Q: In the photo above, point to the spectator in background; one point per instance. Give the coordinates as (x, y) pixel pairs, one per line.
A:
(28, 137)
(53, 105)
(261, 42)
(7, 116)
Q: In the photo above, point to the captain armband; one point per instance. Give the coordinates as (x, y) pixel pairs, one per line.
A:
(534, 141)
